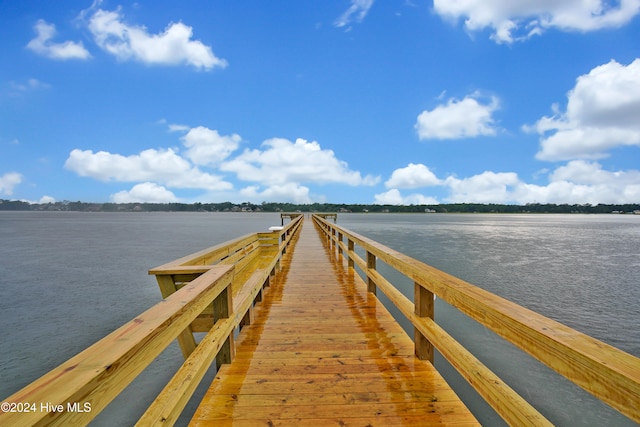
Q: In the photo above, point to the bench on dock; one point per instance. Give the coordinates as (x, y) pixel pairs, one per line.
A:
(299, 337)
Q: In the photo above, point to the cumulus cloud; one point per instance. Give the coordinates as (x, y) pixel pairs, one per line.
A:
(46, 199)
(279, 170)
(164, 166)
(356, 12)
(576, 182)
(394, 197)
(42, 44)
(173, 46)
(519, 20)
(602, 113)
(8, 181)
(412, 176)
(487, 187)
(283, 161)
(580, 182)
(289, 192)
(146, 192)
(207, 147)
(464, 118)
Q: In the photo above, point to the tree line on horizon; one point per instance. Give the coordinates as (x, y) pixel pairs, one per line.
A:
(17, 205)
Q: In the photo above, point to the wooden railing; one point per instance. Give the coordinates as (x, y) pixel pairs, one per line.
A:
(608, 373)
(75, 392)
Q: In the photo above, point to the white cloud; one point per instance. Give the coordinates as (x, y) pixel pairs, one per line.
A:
(174, 46)
(356, 12)
(46, 199)
(458, 119)
(581, 181)
(279, 169)
(487, 187)
(576, 182)
(146, 192)
(591, 173)
(207, 147)
(42, 44)
(283, 161)
(518, 20)
(602, 113)
(412, 176)
(394, 197)
(164, 166)
(8, 181)
(289, 192)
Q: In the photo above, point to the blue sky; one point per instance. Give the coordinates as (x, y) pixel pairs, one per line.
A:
(361, 101)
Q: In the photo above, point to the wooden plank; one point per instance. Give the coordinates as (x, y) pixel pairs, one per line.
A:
(292, 399)
(321, 350)
(328, 412)
(455, 419)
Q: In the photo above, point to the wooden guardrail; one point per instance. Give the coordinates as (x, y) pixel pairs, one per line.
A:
(241, 252)
(608, 373)
(76, 391)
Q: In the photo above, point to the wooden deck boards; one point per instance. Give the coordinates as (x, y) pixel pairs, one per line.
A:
(321, 351)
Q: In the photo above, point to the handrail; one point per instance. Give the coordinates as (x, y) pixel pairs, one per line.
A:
(79, 389)
(76, 391)
(608, 373)
(240, 252)
(214, 254)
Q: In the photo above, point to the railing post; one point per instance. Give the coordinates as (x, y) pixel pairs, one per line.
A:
(371, 264)
(339, 247)
(222, 309)
(424, 307)
(333, 236)
(350, 248)
(282, 242)
(185, 339)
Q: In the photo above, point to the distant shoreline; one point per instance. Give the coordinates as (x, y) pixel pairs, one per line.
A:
(16, 205)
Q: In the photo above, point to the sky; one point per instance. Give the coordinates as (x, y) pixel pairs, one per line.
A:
(336, 101)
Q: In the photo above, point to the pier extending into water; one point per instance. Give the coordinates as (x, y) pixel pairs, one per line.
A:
(299, 337)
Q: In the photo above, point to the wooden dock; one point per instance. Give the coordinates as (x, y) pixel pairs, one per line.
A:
(293, 324)
(321, 350)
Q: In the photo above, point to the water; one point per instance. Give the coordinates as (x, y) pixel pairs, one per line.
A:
(577, 269)
(68, 279)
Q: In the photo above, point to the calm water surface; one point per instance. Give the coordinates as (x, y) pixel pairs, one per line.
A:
(68, 279)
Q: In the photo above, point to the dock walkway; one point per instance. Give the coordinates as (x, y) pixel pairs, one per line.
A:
(322, 351)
